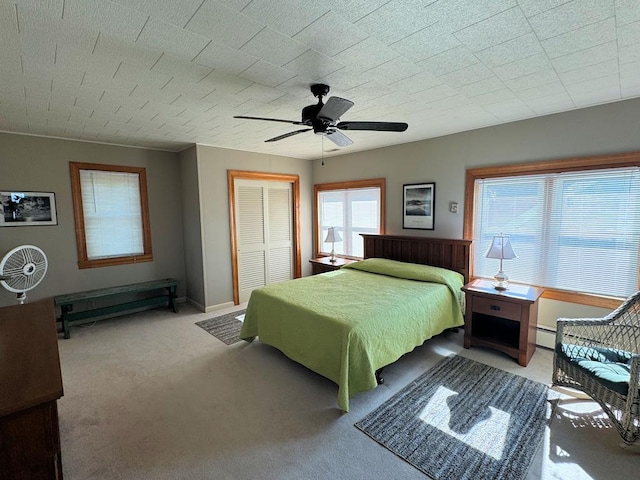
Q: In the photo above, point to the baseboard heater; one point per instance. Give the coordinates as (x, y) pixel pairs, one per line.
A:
(546, 337)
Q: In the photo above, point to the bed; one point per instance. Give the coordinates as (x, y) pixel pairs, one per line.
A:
(348, 324)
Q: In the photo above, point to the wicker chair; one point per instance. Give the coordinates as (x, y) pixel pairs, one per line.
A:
(601, 357)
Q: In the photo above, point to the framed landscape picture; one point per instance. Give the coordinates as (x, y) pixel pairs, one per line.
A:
(419, 206)
(20, 209)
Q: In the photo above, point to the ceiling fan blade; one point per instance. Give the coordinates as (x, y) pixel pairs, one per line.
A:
(339, 138)
(377, 126)
(286, 135)
(334, 108)
(269, 119)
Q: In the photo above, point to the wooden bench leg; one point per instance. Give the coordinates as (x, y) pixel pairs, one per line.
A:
(172, 299)
(65, 321)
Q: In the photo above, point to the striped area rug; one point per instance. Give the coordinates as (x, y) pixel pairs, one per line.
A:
(225, 327)
(464, 420)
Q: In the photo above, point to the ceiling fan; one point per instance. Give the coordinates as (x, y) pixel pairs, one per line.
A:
(323, 118)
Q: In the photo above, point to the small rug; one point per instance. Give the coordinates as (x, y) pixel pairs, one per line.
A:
(225, 327)
(464, 420)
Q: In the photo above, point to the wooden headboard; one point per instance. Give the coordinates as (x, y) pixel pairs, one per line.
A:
(439, 252)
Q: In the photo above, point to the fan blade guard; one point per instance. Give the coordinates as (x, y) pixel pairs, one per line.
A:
(25, 267)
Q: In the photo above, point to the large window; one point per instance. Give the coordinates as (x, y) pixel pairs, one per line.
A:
(353, 208)
(575, 231)
(111, 214)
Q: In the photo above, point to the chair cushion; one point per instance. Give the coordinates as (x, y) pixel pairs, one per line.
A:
(609, 366)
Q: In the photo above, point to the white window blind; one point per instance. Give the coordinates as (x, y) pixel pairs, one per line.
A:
(112, 213)
(353, 211)
(575, 231)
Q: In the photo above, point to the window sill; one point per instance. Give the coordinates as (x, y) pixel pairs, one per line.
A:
(582, 299)
(108, 262)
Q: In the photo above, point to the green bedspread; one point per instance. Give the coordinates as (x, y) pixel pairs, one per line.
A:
(349, 323)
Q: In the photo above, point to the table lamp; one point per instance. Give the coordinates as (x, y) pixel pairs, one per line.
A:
(501, 249)
(333, 236)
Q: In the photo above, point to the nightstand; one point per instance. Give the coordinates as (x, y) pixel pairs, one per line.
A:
(322, 264)
(504, 320)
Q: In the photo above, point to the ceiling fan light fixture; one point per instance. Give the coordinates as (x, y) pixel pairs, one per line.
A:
(339, 138)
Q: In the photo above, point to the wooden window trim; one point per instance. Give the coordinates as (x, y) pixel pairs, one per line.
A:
(322, 187)
(81, 241)
(600, 162)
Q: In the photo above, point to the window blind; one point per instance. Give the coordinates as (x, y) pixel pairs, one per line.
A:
(353, 211)
(112, 213)
(574, 231)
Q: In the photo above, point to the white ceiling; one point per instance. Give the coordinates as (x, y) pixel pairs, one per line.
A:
(169, 73)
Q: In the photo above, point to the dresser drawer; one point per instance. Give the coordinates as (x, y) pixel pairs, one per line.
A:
(496, 308)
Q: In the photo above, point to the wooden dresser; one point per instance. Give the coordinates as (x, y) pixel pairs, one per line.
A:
(30, 384)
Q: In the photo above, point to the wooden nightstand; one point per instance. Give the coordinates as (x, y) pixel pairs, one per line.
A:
(504, 320)
(322, 264)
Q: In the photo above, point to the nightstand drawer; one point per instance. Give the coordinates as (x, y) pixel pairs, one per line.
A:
(322, 268)
(324, 264)
(496, 308)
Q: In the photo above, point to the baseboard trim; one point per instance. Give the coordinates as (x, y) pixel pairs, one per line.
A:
(546, 337)
(195, 304)
(220, 306)
(210, 308)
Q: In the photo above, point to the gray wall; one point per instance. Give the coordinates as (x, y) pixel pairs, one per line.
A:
(42, 164)
(198, 177)
(213, 164)
(194, 261)
(611, 128)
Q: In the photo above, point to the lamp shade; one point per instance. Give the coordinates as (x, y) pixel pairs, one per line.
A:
(333, 235)
(501, 248)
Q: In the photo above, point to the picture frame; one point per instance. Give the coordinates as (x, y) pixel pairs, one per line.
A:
(418, 207)
(21, 208)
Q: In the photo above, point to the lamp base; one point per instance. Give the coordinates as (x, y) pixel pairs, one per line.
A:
(501, 281)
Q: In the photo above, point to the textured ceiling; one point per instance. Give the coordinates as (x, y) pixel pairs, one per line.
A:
(169, 73)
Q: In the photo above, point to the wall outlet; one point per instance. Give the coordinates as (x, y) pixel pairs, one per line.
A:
(454, 207)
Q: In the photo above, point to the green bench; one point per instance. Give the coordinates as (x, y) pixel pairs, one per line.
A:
(166, 295)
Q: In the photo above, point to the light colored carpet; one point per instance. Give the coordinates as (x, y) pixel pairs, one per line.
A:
(151, 396)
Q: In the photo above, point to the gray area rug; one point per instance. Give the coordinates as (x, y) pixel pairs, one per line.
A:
(464, 420)
(225, 327)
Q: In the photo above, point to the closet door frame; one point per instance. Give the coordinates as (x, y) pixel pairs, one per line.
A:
(294, 180)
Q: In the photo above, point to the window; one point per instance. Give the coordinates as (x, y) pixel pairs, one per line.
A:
(111, 214)
(575, 229)
(354, 208)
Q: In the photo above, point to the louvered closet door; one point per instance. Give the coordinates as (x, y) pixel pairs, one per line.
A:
(264, 234)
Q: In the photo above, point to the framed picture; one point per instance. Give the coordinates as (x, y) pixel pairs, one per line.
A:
(419, 206)
(20, 209)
